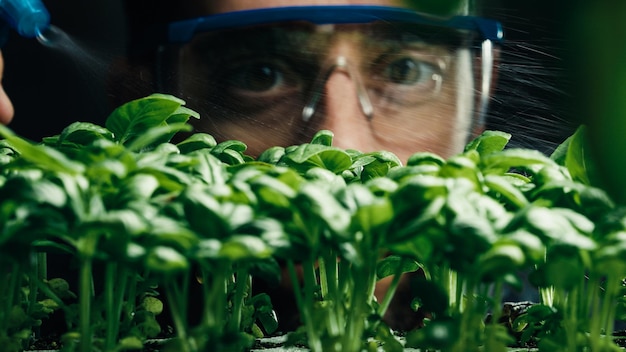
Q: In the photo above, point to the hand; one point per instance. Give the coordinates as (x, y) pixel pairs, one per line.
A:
(6, 107)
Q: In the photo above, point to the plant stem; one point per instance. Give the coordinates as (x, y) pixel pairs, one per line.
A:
(297, 290)
(391, 290)
(328, 268)
(214, 289)
(353, 337)
(608, 308)
(467, 337)
(493, 342)
(42, 266)
(9, 286)
(114, 291)
(109, 280)
(33, 274)
(323, 277)
(547, 296)
(310, 286)
(178, 312)
(309, 302)
(85, 296)
(129, 308)
(571, 318)
(595, 319)
(241, 284)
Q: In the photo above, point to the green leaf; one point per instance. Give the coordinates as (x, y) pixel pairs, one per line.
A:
(425, 158)
(417, 222)
(373, 220)
(230, 152)
(83, 133)
(322, 207)
(264, 312)
(514, 158)
(165, 260)
(562, 269)
(504, 190)
(155, 136)
(534, 249)
(575, 154)
(378, 165)
(44, 157)
(130, 343)
(469, 238)
(134, 118)
(139, 186)
(209, 168)
(609, 258)
(41, 191)
(489, 142)
(272, 191)
(394, 264)
(501, 259)
(440, 334)
(272, 155)
(323, 137)
(166, 231)
(196, 141)
(399, 174)
(306, 156)
(244, 247)
(460, 166)
(267, 269)
(419, 190)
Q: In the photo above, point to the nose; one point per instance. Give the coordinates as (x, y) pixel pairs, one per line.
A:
(344, 110)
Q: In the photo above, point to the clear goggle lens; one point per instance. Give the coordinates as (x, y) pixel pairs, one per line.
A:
(269, 68)
(393, 66)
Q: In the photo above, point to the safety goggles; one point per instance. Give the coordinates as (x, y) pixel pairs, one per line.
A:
(263, 63)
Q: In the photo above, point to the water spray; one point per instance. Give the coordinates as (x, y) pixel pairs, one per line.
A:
(29, 18)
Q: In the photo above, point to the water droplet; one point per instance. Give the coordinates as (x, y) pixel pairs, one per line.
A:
(51, 36)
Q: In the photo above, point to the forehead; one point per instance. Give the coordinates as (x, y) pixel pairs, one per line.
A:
(219, 6)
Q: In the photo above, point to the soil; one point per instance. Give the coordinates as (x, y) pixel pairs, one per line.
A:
(271, 344)
(50, 342)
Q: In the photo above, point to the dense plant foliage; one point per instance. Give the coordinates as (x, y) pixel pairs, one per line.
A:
(151, 214)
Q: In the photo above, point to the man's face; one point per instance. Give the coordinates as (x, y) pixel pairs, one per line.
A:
(254, 85)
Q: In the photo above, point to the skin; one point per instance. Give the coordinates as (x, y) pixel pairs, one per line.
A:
(6, 107)
(442, 128)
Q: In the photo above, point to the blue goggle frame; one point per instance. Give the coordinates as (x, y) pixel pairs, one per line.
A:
(183, 31)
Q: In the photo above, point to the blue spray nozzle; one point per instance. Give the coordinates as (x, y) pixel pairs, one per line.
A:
(28, 17)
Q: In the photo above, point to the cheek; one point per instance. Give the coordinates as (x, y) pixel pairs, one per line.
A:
(440, 127)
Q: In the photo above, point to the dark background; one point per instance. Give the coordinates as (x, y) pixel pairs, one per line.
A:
(533, 98)
(53, 87)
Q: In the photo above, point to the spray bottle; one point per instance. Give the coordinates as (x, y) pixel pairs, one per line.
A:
(29, 18)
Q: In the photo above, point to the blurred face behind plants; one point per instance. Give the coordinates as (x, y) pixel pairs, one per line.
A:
(377, 86)
(373, 87)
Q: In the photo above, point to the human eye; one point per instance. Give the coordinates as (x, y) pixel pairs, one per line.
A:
(259, 77)
(405, 70)
(406, 76)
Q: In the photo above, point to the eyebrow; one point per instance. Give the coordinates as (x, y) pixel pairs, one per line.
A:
(234, 43)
